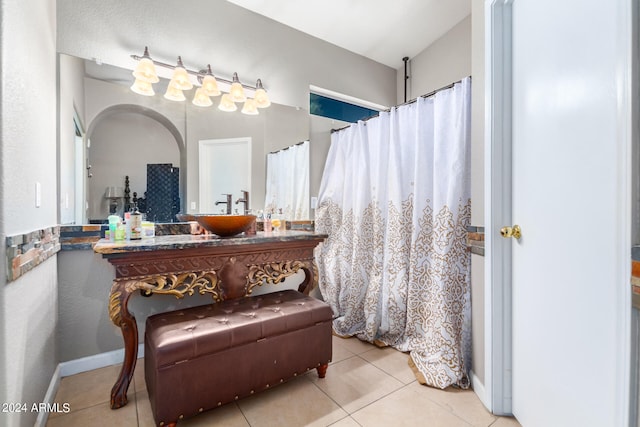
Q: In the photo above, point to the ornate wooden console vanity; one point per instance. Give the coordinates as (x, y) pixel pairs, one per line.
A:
(182, 265)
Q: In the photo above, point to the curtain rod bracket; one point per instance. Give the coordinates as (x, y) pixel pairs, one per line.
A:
(406, 76)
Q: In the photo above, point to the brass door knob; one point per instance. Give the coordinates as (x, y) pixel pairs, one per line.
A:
(514, 232)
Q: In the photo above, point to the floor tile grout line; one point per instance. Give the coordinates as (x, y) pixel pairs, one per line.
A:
(379, 399)
(382, 397)
(135, 399)
(243, 414)
(344, 418)
(406, 386)
(72, 412)
(451, 410)
(391, 374)
(447, 408)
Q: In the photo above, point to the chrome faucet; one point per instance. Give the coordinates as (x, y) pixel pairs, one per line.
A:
(227, 202)
(245, 200)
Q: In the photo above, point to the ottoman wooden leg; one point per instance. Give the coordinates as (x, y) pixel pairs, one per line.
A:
(322, 370)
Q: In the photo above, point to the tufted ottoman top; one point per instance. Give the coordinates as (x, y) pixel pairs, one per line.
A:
(187, 334)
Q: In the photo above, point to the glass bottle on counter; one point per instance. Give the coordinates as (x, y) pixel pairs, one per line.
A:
(136, 223)
(275, 221)
(283, 220)
(267, 223)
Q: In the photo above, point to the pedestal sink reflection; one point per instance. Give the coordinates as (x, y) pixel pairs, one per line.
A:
(225, 225)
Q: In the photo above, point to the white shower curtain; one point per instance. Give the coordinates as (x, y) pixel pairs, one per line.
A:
(288, 182)
(395, 202)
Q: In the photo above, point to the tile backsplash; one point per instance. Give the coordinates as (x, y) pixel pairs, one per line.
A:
(26, 251)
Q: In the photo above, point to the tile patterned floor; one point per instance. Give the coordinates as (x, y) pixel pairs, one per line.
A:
(365, 386)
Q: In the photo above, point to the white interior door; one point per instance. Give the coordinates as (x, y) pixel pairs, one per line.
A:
(224, 168)
(570, 145)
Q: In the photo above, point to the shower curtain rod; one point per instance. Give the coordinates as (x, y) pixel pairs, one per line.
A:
(449, 86)
(286, 148)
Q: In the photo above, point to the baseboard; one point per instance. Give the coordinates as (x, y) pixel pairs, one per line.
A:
(72, 367)
(478, 388)
(49, 397)
(96, 361)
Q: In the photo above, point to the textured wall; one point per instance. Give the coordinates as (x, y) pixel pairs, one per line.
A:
(28, 306)
(445, 61)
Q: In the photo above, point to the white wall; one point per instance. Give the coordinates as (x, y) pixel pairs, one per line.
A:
(445, 61)
(28, 129)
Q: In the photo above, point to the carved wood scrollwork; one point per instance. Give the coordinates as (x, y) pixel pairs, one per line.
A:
(274, 272)
(177, 285)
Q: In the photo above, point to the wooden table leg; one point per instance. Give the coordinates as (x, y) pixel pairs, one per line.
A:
(120, 316)
(310, 277)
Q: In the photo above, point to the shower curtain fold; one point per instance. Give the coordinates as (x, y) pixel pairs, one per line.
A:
(395, 203)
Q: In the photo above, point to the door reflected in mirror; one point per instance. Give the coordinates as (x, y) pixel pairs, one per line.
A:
(225, 173)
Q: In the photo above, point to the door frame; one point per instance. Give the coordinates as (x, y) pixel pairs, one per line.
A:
(498, 157)
(498, 119)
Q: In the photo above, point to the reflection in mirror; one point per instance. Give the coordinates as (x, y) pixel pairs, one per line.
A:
(133, 146)
(126, 133)
(225, 167)
(153, 130)
(288, 182)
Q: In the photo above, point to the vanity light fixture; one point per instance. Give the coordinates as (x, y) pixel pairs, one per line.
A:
(227, 104)
(201, 99)
(250, 107)
(180, 79)
(145, 74)
(145, 70)
(174, 94)
(142, 88)
(262, 100)
(209, 83)
(237, 91)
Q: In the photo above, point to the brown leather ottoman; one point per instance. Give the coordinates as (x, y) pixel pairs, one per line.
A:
(203, 357)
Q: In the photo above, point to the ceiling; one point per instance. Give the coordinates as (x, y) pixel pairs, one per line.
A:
(382, 30)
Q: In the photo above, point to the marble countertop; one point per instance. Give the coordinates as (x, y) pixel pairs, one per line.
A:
(185, 241)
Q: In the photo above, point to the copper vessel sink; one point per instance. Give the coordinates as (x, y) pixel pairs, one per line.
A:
(225, 225)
